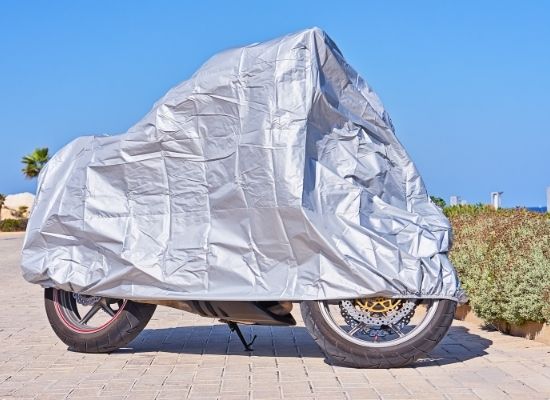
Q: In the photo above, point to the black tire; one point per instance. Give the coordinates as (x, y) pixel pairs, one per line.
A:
(129, 320)
(347, 353)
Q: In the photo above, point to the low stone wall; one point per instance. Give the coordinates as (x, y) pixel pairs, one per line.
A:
(536, 331)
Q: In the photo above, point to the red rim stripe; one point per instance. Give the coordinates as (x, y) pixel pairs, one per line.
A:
(73, 327)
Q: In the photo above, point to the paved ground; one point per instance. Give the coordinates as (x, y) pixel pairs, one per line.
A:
(180, 356)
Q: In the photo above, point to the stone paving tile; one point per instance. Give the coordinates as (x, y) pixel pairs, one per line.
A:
(183, 356)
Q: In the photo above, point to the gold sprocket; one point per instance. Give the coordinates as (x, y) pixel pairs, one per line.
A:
(377, 304)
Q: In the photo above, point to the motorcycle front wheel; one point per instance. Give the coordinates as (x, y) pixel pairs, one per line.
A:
(90, 324)
(377, 333)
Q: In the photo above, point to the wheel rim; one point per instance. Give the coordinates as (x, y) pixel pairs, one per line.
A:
(86, 314)
(361, 333)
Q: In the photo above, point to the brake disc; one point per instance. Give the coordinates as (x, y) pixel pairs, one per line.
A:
(397, 313)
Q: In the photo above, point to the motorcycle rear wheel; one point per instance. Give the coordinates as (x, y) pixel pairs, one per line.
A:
(342, 348)
(95, 324)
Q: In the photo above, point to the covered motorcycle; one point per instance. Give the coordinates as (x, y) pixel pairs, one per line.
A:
(272, 175)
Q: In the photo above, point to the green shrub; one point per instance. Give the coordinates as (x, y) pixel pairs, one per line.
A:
(438, 201)
(503, 260)
(13, 225)
(468, 209)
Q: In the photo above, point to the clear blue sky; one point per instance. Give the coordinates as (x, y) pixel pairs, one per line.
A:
(467, 83)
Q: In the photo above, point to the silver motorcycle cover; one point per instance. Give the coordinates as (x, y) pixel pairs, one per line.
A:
(272, 174)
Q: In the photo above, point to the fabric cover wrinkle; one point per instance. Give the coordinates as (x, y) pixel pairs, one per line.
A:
(273, 173)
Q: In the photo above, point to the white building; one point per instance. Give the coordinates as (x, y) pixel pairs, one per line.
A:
(14, 202)
(455, 200)
(496, 199)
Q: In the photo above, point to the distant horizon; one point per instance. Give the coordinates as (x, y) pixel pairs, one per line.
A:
(466, 85)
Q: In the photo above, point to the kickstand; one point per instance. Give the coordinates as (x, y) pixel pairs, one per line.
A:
(235, 328)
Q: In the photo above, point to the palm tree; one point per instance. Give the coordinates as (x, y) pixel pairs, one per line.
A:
(34, 162)
(2, 200)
